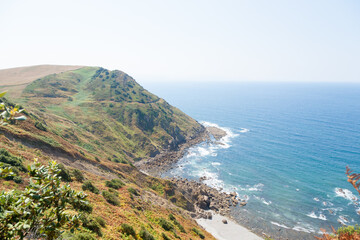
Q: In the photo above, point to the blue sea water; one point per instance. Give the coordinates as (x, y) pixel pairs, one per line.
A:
(286, 150)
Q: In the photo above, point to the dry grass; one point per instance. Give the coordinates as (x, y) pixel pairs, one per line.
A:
(16, 79)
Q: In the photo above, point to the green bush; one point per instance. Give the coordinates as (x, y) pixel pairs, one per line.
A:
(114, 183)
(18, 179)
(8, 158)
(64, 174)
(111, 198)
(133, 191)
(40, 126)
(101, 221)
(176, 223)
(41, 210)
(78, 175)
(90, 223)
(145, 235)
(97, 159)
(82, 236)
(197, 232)
(128, 230)
(86, 208)
(165, 237)
(90, 187)
(349, 230)
(167, 226)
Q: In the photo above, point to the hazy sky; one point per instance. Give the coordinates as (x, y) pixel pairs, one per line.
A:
(192, 40)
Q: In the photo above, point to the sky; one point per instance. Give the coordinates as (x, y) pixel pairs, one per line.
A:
(188, 40)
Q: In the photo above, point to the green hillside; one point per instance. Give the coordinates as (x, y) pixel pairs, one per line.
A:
(107, 112)
(96, 123)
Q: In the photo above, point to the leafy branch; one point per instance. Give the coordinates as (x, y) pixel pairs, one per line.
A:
(9, 114)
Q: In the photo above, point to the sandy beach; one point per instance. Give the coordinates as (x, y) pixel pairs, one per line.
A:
(229, 231)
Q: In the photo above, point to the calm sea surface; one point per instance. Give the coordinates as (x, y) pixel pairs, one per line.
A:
(286, 150)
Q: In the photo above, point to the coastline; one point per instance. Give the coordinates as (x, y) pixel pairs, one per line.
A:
(208, 214)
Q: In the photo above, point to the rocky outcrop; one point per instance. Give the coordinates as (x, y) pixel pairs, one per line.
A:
(206, 198)
(217, 133)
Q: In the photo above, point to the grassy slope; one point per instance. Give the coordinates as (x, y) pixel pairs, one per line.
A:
(16, 79)
(108, 113)
(85, 125)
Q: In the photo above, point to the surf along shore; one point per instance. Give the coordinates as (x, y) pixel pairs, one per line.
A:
(211, 206)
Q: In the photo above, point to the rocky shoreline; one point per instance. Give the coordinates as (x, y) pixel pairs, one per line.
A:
(165, 160)
(204, 198)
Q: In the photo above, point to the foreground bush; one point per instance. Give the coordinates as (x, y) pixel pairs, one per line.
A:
(42, 209)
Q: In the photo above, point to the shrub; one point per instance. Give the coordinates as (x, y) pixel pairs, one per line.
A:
(133, 191)
(8, 158)
(97, 159)
(90, 187)
(165, 237)
(114, 183)
(145, 235)
(349, 230)
(197, 232)
(18, 179)
(101, 221)
(64, 174)
(128, 230)
(176, 223)
(86, 208)
(83, 236)
(90, 223)
(167, 226)
(41, 210)
(78, 175)
(111, 198)
(40, 126)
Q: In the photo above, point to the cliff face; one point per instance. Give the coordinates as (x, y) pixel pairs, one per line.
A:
(107, 112)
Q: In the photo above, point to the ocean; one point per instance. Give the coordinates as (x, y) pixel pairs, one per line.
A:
(286, 151)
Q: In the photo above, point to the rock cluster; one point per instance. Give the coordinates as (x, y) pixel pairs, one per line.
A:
(206, 198)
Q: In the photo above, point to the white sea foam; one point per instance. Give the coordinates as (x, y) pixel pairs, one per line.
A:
(256, 187)
(343, 220)
(263, 200)
(345, 193)
(316, 199)
(215, 163)
(304, 227)
(280, 225)
(225, 141)
(313, 215)
(244, 130)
